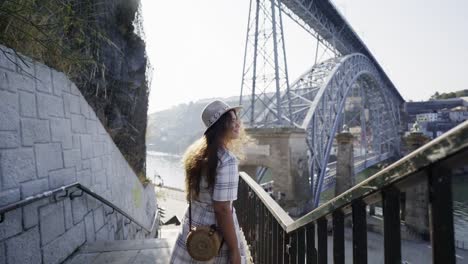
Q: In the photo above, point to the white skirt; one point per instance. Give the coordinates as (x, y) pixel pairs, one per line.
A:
(204, 215)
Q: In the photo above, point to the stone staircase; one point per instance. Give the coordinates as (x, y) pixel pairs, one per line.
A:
(142, 251)
(155, 251)
(151, 250)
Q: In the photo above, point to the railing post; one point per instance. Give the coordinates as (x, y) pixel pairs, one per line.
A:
(261, 249)
(293, 248)
(322, 240)
(251, 210)
(441, 215)
(392, 235)
(301, 246)
(258, 230)
(265, 235)
(266, 239)
(359, 232)
(286, 247)
(338, 237)
(310, 242)
(276, 238)
(249, 223)
(278, 244)
(270, 237)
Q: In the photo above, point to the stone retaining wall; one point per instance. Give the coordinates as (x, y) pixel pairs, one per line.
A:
(50, 137)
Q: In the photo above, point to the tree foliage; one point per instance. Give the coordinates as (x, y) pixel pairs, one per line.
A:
(461, 93)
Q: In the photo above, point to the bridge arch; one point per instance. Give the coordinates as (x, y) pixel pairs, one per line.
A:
(325, 116)
(318, 99)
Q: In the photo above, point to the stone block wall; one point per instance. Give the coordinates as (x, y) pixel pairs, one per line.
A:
(50, 137)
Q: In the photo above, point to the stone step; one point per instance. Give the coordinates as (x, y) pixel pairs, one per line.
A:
(170, 233)
(144, 251)
(119, 245)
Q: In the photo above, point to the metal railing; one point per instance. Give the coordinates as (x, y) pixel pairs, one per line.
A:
(72, 191)
(274, 237)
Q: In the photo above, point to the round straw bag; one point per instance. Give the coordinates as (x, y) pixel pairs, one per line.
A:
(203, 242)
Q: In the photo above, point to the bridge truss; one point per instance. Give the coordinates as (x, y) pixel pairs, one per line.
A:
(347, 87)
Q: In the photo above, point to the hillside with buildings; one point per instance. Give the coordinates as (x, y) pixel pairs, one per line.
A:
(436, 116)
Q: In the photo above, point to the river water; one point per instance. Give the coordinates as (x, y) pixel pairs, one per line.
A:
(169, 167)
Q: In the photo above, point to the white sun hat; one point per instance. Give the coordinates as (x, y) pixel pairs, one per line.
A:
(214, 110)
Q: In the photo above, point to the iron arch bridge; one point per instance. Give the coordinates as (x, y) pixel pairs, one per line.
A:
(346, 88)
(343, 91)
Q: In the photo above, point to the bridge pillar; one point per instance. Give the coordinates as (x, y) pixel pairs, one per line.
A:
(284, 152)
(345, 162)
(415, 209)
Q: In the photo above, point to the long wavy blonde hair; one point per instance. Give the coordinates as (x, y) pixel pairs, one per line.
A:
(202, 155)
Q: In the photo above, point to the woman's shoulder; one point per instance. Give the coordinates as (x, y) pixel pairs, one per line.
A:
(226, 156)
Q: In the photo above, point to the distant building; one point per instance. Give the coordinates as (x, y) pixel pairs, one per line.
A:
(432, 106)
(435, 129)
(436, 117)
(458, 116)
(427, 117)
(465, 103)
(443, 115)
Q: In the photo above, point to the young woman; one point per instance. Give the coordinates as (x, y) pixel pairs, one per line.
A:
(211, 179)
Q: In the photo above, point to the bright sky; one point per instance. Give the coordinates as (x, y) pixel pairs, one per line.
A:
(197, 47)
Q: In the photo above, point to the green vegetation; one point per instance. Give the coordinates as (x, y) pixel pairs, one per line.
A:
(95, 44)
(61, 34)
(461, 93)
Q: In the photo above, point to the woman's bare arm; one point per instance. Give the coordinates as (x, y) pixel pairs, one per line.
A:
(224, 218)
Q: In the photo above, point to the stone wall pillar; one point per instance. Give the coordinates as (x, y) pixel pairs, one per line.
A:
(416, 207)
(345, 162)
(284, 152)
